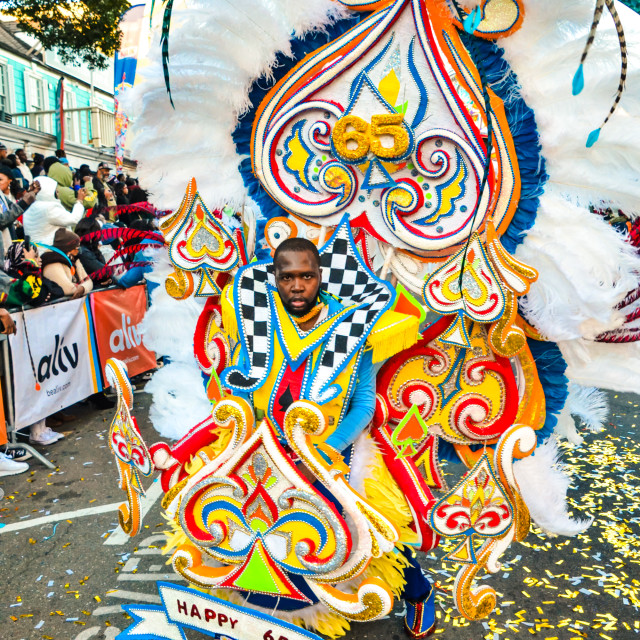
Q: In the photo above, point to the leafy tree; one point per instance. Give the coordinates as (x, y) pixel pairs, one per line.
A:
(83, 31)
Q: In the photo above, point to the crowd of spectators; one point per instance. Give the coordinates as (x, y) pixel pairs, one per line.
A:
(49, 213)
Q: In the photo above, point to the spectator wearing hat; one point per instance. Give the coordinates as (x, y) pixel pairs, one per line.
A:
(105, 192)
(29, 287)
(46, 215)
(10, 210)
(62, 265)
(3, 151)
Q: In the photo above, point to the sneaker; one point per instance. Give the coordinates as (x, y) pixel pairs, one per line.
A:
(46, 437)
(17, 455)
(420, 620)
(9, 467)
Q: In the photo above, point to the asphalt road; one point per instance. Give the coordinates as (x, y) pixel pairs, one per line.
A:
(66, 569)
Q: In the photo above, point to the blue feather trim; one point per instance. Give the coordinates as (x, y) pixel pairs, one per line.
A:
(533, 175)
(551, 367)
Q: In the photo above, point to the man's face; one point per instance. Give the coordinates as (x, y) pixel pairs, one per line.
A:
(103, 173)
(4, 153)
(22, 155)
(298, 279)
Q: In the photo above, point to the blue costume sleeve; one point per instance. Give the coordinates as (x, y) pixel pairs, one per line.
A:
(361, 407)
(242, 361)
(136, 274)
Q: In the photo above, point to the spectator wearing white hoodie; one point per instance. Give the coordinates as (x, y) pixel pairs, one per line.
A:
(46, 215)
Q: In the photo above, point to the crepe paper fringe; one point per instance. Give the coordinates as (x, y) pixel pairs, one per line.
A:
(110, 269)
(389, 341)
(524, 130)
(124, 234)
(229, 317)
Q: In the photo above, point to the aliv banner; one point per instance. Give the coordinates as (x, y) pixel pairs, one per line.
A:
(54, 359)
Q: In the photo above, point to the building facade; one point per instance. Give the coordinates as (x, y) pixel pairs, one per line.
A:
(29, 79)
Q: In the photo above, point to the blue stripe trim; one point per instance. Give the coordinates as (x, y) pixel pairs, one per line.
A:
(524, 130)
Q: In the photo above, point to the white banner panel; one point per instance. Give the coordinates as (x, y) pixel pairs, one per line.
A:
(183, 607)
(53, 359)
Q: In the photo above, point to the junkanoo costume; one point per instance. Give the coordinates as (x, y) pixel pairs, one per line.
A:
(431, 167)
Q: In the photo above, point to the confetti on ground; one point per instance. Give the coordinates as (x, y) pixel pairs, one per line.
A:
(567, 588)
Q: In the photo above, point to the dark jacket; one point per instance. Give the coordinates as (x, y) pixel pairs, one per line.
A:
(92, 260)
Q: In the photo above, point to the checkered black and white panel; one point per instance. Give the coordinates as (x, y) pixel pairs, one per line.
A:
(256, 324)
(348, 278)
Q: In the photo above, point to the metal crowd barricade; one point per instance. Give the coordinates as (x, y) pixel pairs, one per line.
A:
(8, 390)
(8, 393)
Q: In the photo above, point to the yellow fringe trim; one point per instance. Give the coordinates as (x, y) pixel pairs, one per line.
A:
(383, 491)
(229, 319)
(393, 333)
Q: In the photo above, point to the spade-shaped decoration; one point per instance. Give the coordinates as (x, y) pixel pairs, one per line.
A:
(477, 506)
(465, 285)
(409, 433)
(202, 242)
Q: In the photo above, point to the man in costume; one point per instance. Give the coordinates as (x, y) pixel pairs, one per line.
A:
(300, 299)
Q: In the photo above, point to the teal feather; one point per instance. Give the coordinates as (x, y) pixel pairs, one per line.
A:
(164, 42)
(593, 137)
(578, 81)
(153, 4)
(473, 19)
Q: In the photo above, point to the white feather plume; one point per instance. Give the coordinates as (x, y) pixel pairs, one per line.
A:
(179, 401)
(217, 50)
(585, 268)
(545, 53)
(543, 484)
(608, 366)
(590, 405)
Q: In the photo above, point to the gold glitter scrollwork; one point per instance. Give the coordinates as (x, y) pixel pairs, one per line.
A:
(306, 417)
(389, 124)
(380, 524)
(522, 516)
(234, 413)
(505, 337)
(373, 600)
(309, 418)
(179, 284)
(170, 496)
(129, 514)
(474, 604)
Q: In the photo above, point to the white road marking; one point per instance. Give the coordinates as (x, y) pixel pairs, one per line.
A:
(119, 537)
(135, 577)
(109, 633)
(134, 596)
(56, 517)
(104, 611)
